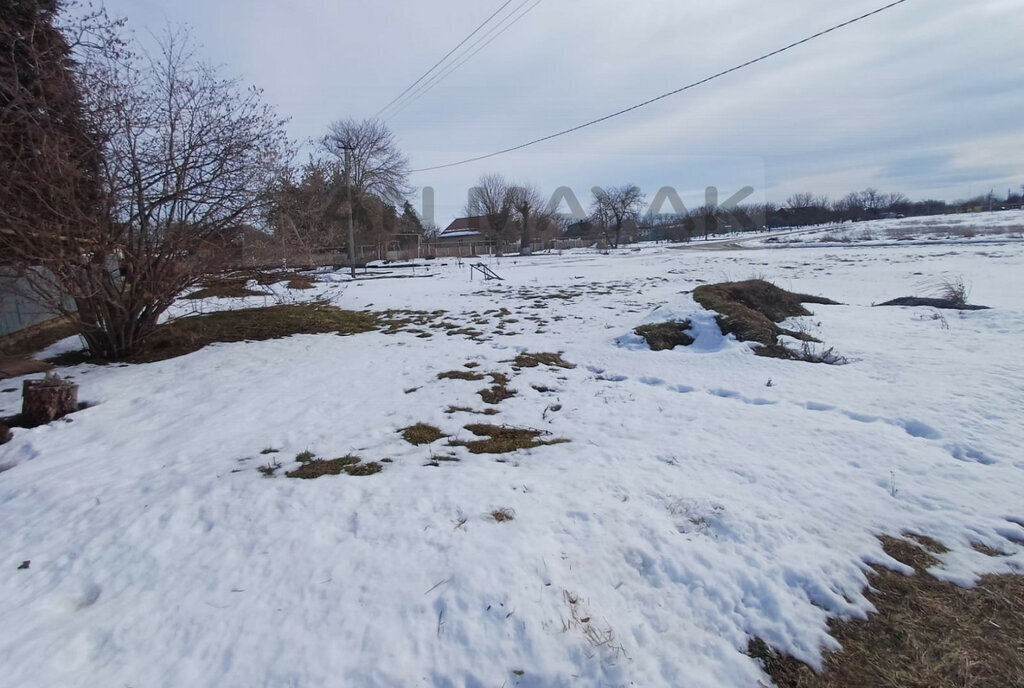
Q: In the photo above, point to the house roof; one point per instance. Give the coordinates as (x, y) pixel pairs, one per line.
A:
(465, 226)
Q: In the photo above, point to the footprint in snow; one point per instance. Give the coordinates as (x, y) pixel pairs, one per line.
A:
(725, 393)
(962, 453)
(916, 428)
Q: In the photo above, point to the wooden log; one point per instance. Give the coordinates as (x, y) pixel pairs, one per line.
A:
(48, 399)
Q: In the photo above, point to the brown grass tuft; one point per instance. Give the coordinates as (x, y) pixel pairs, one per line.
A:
(499, 391)
(504, 514)
(526, 360)
(421, 433)
(502, 439)
(988, 551)
(665, 336)
(459, 375)
(352, 465)
(467, 409)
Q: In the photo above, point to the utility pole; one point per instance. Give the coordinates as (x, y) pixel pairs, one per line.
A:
(351, 231)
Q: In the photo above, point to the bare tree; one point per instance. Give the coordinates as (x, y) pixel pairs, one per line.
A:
(613, 206)
(377, 165)
(493, 200)
(808, 209)
(374, 169)
(531, 209)
(708, 219)
(177, 160)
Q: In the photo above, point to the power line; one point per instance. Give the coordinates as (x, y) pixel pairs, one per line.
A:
(666, 95)
(467, 55)
(439, 62)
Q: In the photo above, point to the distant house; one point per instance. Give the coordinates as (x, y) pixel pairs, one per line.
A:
(461, 230)
(466, 236)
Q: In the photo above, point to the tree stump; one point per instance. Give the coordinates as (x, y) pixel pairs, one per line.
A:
(48, 399)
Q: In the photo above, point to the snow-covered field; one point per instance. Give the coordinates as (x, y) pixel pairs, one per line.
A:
(705, 495)
(988, 227)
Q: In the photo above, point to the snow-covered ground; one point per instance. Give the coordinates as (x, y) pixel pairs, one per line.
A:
(705, 495)
(996, 226)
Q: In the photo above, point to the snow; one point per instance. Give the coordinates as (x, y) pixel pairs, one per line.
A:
(986, 227)
(695, 505)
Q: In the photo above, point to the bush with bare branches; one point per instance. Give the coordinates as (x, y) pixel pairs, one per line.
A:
(126, 174)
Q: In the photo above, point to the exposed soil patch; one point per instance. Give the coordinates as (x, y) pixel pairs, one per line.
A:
(526, 360)
(665, 336)
(750, 310)
(926, 634)
(421, 433)
(932, 303)
(502, 439)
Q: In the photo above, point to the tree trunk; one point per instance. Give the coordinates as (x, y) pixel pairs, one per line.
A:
(48, 399)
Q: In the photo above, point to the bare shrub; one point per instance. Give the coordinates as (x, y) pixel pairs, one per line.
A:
(955, 290)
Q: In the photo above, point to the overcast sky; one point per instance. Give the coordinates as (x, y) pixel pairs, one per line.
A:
(926, 98)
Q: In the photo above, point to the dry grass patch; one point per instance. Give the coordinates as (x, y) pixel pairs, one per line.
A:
(301, 282)
(499, 391)
(230, 287)
(504, 514)
(932, 303)
(526, 360)
(421, 433)
(665, 336)
(926, 634)
(467, 409)
(269, 469)
(988, 551)
(186, 335)
(750, 310)
(315, 468)
(395, 321)
(36, 338)
(501, 439)
(459, 375)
